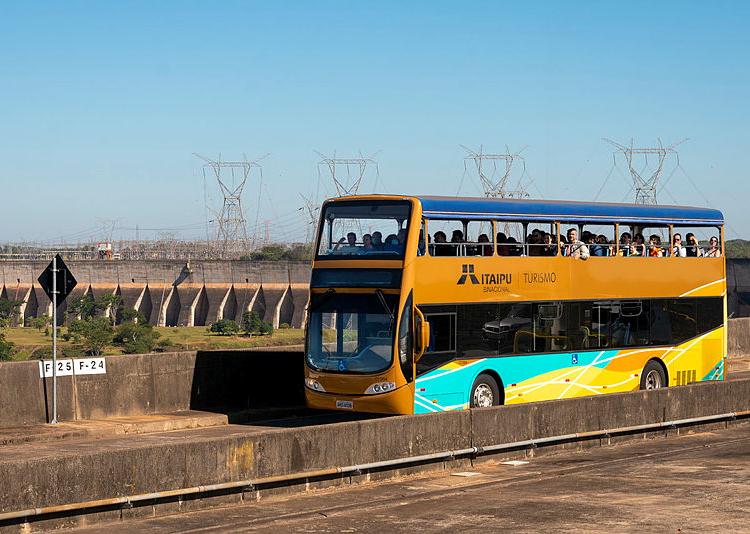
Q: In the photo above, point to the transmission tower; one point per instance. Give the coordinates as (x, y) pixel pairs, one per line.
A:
(347, 173)
(310, 211)
(645, 188)
(232, 177)
(496, 184)
(108, 227)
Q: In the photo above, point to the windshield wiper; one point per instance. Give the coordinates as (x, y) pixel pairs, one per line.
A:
(387, 309)
(328, 295)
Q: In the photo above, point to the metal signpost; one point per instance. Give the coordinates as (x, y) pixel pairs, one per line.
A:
(57, 282)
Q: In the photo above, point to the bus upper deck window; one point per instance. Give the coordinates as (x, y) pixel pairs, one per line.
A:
(365, 228)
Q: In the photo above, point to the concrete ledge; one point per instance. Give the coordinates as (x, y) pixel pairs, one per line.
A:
(44, 474)
(139, 424)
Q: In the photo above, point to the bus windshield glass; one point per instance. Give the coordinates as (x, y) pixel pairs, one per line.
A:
(364, 228)
(351, 333)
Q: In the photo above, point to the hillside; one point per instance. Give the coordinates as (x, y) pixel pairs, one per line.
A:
(737, 248)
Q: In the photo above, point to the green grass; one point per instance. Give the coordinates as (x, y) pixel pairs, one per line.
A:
(194, 338)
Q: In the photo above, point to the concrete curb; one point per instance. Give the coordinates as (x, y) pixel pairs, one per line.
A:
(138, 424)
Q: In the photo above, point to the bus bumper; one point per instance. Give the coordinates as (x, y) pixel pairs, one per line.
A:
(399, 401)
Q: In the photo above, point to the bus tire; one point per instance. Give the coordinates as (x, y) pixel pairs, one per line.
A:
(653, 376)
(484, 392)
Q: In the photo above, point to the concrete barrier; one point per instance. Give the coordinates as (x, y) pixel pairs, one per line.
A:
(44, 474)
(738, 337)
(139, 384)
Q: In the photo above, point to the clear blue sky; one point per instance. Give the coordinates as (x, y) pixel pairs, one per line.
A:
(102, 103)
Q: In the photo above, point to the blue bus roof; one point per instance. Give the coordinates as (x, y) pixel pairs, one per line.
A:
(529, 210)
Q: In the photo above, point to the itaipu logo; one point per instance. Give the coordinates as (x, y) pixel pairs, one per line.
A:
(468, 270)
(491, 282)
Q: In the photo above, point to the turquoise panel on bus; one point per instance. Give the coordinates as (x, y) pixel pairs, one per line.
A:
(448, 387)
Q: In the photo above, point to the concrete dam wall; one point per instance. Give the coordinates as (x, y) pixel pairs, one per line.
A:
(173, 293)
(197, 293)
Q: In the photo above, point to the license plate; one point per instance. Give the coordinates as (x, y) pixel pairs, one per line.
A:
(348, 405)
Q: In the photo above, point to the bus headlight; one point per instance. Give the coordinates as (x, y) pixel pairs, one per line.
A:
(314, 385)
(380, 387)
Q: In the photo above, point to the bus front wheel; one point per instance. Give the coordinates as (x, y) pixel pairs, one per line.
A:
(653, 376)
(484, 392)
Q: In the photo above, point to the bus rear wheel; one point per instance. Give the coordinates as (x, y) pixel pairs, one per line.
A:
(484, 392)
(653, 376)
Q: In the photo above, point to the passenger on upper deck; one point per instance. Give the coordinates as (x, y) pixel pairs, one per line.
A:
(534, 241)
(366, 244)
(441, 247)
(457, 237)
(654, 247)
(625, 244)
(391, 243)
(549, 248)
(350, 248)
(692, 249)
(400, 243)
(678, 250)
(377, 241)
(639, 245)
(502, 247)
(421, 245)
(513, 248)
(575, 248)
(713, 251)
(603, 244)
(484, 250)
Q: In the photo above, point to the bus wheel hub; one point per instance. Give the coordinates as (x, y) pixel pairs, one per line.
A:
(483, 396)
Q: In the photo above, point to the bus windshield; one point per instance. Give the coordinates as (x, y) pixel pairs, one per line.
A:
(367, 228)
(351, 333)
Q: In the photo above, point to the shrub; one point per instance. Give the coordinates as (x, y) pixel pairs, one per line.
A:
(136, 337)
(6, 348)
(164, 345)
(224, 327)
(283, 326)
(45, 353)
(266, 328)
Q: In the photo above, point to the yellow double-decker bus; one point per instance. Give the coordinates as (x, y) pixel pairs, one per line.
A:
(426, 304)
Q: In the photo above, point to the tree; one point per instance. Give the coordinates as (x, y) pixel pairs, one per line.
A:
(112, 303)
(136, 338)
(132, 315)
(96, 334)
(8, 310)
(224, 327)
(6, 348)
(253, 324)
(84, 307)
(266, 328)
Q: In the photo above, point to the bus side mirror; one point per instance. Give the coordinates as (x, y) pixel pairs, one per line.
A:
(422, 334)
